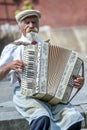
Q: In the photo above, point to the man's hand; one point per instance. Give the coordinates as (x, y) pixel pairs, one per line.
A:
(78, 81)
(16, 65)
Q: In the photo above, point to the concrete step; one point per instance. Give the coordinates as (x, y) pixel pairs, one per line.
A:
(10, 119)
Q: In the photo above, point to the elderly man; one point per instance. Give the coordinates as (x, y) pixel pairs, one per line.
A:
(40, 115)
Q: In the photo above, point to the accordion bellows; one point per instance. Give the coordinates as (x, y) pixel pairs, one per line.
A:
(48, 74)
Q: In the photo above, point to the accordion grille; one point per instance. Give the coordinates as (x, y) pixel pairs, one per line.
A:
(58, 58)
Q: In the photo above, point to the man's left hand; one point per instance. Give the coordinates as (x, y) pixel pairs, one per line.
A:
(78, 82)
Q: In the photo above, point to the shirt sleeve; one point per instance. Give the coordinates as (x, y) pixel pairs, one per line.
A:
(7, 54)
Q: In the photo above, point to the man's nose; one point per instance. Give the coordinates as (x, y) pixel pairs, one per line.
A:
(30, 25)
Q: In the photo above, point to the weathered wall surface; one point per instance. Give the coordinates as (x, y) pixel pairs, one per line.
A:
(55, 13)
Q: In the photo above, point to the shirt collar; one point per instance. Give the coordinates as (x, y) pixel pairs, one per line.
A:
(23, 39)
(26, 40)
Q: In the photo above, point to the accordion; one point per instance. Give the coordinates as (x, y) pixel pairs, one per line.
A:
(48, 75)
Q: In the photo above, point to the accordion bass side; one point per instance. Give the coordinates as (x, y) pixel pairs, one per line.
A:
(49, 72)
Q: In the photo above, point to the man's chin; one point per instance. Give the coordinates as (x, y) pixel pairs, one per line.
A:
(32, 36)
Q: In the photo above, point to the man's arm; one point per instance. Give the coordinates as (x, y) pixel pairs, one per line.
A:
(14, 65)
(4, 71)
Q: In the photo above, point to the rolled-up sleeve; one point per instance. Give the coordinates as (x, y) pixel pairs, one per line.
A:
(7, 54)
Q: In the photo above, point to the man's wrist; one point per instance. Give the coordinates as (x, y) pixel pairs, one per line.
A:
(4, 71)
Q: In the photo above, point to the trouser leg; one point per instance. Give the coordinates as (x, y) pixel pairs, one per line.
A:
(76, 126)
(42, 123)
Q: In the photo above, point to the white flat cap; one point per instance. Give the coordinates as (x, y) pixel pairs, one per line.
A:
(25, 13)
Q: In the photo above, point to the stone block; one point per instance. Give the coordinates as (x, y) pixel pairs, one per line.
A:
(15, 124)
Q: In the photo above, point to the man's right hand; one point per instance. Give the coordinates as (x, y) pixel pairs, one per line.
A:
(14, 65)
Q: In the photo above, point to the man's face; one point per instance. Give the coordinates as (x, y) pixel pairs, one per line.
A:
(29, 24)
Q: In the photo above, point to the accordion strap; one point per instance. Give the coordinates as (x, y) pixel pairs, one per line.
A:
(78, 88)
